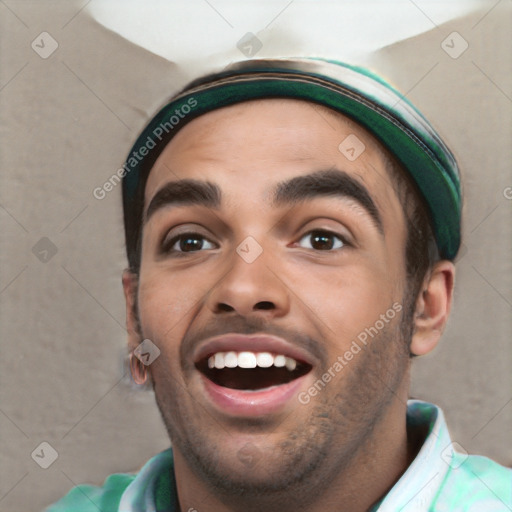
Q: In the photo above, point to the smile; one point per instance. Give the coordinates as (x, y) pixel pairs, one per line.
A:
(251, 375)
(252, 370)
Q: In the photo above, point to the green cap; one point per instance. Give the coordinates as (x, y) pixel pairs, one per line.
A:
(355, 92)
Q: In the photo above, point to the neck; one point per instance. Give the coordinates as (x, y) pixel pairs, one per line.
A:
(375, 467)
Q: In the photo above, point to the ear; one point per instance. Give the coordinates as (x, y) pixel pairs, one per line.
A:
(130, 285)
(433, 307)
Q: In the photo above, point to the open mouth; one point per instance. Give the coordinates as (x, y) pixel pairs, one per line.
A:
(251, 371)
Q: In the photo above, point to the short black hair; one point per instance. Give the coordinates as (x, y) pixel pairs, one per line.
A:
(421, 251)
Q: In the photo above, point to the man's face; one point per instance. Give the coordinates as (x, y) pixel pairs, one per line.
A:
(323, 266)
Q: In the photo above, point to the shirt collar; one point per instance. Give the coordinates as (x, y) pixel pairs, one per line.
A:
(144, 493)
(417, 487)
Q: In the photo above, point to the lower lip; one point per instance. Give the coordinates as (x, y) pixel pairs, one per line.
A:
(237, 402)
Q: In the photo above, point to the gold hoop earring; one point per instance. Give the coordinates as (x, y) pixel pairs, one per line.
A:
(138, 370)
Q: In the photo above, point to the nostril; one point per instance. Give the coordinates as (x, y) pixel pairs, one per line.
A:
(264, 305)
(224, 307)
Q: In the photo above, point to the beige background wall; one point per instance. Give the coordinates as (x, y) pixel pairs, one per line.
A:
(67, 122)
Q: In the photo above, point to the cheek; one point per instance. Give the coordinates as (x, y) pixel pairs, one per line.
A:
(168, 301)
(345, 301)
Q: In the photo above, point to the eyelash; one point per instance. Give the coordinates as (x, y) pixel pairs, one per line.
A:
(328, 233)
(167, 247)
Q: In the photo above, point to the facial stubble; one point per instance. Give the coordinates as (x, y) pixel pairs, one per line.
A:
(296, 469)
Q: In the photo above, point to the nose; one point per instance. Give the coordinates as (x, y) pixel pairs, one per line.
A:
(249, 288)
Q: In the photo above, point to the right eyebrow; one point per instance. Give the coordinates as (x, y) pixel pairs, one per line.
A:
(184, 192)
(330, 182)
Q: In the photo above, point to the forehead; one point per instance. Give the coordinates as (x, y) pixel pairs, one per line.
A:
(247, 148)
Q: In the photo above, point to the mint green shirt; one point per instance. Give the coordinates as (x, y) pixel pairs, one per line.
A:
(439, 479)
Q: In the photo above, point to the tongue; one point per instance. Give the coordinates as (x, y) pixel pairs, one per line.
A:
(252, 378)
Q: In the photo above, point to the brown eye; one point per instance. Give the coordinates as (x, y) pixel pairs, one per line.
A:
(321, 240)
(187, 242)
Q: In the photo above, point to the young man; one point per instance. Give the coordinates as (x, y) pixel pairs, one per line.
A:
(291, 228)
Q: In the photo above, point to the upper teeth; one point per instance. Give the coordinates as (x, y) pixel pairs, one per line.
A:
(250, 360)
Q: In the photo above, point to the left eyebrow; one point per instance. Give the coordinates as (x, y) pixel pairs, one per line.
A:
(331, 182)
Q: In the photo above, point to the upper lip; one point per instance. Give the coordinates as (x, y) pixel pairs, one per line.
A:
(253, 343)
